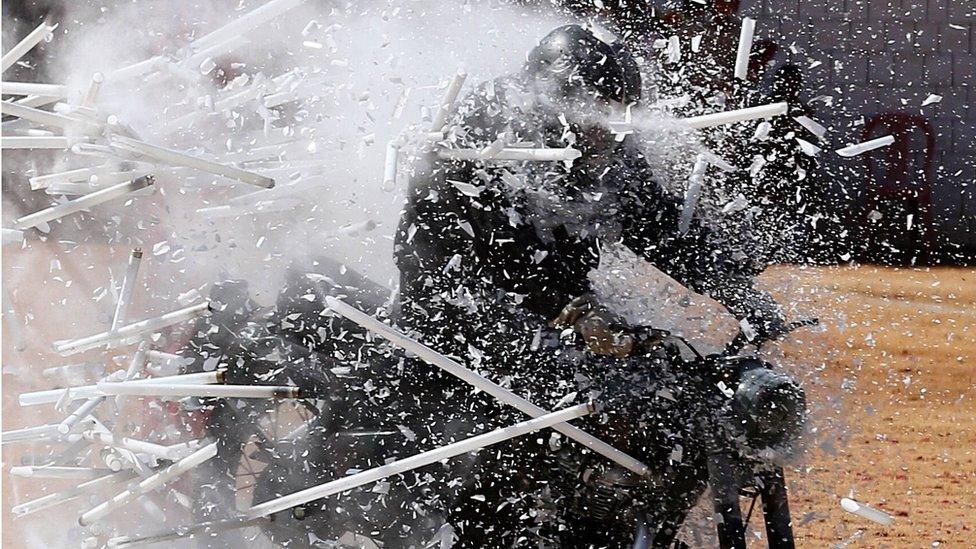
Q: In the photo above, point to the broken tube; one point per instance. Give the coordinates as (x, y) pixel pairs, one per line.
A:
(861, 148)
(245, 23)
(518, 154)
(31, 88)
(90, 391)
(79, 414)
(739, 115)
(51, 471)
(82, 203)
(420, 460)
(130, 444)
(866, 511)
(37, 142)
(45, 118)
(200, 391)
(128, 283)
(50, 500)
(182, 159)
(477, 380)
(114, 337)
(14, 54)
(390, 168)
(745, 48)
(149, 484)
(447, 103)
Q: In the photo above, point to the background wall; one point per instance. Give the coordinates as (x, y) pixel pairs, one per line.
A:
(885, 57)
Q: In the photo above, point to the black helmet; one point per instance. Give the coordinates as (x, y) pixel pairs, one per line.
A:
(573, 60)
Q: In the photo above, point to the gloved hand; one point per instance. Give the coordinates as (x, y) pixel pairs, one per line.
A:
(602, 330)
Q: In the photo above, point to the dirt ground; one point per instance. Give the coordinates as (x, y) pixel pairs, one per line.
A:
(892, 382)
(902, 345)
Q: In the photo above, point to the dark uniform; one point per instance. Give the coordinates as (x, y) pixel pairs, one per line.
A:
(490, 253)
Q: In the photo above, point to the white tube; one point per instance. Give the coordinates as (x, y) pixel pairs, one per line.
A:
(136, 69)
(114, 337)
(70, 176)
(181, 159)
(125, 294)
(739, 115)
(510, 153)
(130, 444)
(861, 148)
(477, 380)
(91, 391)
(93, 88)
(46, 118)
(79, 414)
(15, 53)
(37, 142)
(29, 433)
(245, 23)
(390, 168)
(51, 471)
(200, 391)
(745, 48)
(56, 498)
(420, 460)
(82, 203)
(38, 100)
(695, 182)
(866, 511)
(149, 484)
(447, 103)
(31, 88)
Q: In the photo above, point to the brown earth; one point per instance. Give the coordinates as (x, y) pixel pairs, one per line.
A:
(899, 349)
(904, 344)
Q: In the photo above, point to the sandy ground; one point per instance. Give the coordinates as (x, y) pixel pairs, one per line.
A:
(899, 349)
(905, 350)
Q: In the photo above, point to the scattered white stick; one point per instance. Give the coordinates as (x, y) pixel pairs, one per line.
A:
(739, 115)
(83, 203)
(518, 154)
(79, 414)
(812, 126)
(29, 433)
(201, 391)
(420, 460)
(866, 511)
(114, 337)
(477, 380)
(50, 471)
(390, 168)
(128, 284)
(245, 23)
(182, 159)
(149, 484)
(31, 88)
(861, 148)
(71, 176)
(91, 94)
(37, 142)
(125, 443)
(46, 118)
(695, 183)
(447, 103)
(91, 391)
(745, 48)
(56, 498)
(15, 53)
(38, 100)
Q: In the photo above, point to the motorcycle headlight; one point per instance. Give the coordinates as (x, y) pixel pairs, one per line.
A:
(771, 407)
